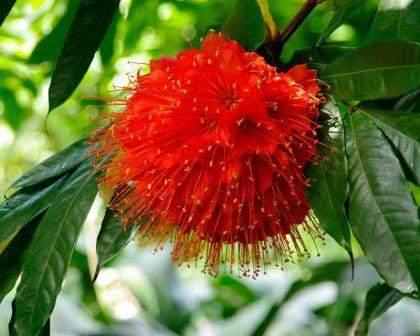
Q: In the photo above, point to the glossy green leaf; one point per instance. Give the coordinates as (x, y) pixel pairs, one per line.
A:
(328, 191)
(91, 22)
(409, 102)
(246, 24)
(106, 50)
(11, 260)
(49, 253)
(379, 299)
(56, 165)
(112, 238)
(344, 9)
(320, 55)
(49, 48)
(403, 130)
(5, 8)
(379, 70)
(382, 212)
(24, 205)
(397, 20)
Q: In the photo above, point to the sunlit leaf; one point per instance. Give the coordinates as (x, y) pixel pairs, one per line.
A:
(397, 20)
(382, 212)
(49, 253)
(246, 24)
(379, 299)
(56, 165)
(89, 26)
(402, 129)
(328, 191)
(24, 205)
(379, 70)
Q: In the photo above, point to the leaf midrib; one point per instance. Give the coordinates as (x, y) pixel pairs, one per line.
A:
(375, 201)
(52, 246)
(343, 74)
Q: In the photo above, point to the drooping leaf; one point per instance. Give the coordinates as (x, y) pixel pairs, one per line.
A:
(5, 8)
(344, 9)
(379, 70)
(89, 26)
(397, 20)
(402, 129)
(56, 165)
(49, 253)
(245, 24)
(112, 238)
(26, 204)
(49, 48)
(379, 299)
(11, 260)
(382, 212)
(328, 191)
(106, 49)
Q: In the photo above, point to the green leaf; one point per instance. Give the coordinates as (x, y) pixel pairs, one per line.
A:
(397, 20)
(11, 260)
(49, 253)
(26, 204)
(328, 191)
(5, 8)
(49, 48)
(383, 216)
(379, 299)
(246, 24)
(344, 9)
(13, 113)
(112, 238)
(56, 165)
(402, 129)
(379, 70)
(106, 50)
(320, 55)
(91, 22)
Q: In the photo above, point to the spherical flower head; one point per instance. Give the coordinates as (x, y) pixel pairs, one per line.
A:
(211, 146)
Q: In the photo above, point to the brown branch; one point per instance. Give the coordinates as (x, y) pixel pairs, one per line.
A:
(298, 19)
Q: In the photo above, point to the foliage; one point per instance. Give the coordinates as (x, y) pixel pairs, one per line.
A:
(367, 54)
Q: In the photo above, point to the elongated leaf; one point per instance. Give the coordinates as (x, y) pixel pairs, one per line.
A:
(11, 260)
(320, 55)
(383, 215)
(397, 20)
(106, 48)
(345, 8)
(409, 102)
(402, 129)
(49, 253)
(24, 205)
(379, 299)
(56, 165)
(49, 48)
(328, 191)
(91, 22)
(246, 24)
(379, 70)
(112, 238)
(5, 8)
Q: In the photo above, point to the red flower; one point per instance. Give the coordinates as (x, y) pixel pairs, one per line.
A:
(212, 146)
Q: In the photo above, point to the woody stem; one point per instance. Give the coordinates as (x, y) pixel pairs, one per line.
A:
(298, 19)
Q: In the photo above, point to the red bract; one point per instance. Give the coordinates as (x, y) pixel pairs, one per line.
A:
(212, 146)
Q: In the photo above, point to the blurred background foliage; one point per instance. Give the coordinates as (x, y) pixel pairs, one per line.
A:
(138, 293)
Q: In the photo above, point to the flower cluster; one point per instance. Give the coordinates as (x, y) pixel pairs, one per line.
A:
(211, 146)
